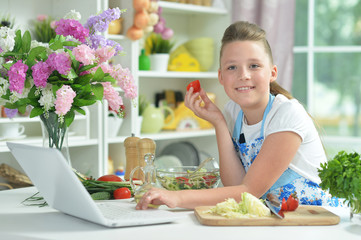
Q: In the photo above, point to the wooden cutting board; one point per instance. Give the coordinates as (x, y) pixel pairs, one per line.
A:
(303, 216)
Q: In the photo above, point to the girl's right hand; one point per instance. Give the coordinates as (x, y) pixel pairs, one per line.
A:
(207, 111)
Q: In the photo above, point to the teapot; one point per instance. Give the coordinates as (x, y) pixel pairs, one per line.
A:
(153, 118)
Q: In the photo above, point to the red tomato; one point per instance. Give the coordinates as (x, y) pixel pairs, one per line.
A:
(284, 205)
(292, 202)
(183, 180)
(196, 86)
(110, 178)
(122, 193)
(210, 179)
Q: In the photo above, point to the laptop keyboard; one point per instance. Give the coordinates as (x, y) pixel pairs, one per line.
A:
(115, 211)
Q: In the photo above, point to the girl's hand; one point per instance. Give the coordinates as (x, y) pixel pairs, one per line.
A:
(208, 111)
(158, 196)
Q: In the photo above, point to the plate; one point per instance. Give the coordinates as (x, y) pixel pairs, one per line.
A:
(184, 151)
(12, 138)
(167, 161)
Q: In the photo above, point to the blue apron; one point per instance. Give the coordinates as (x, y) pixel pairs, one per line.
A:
(308, 192)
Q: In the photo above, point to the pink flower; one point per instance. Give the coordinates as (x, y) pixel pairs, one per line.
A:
(42, 17)
(84, 54)
(64, 100)
(73, 28)
(60, 62)
(112, 96)
(17, 75)
(104, 53)
(41, 73)
(125, 80)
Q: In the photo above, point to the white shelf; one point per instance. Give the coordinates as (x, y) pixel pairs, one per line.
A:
(181, 8)
(155, 74)
(166, 135)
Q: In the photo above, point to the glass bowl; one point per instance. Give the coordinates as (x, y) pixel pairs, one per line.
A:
(181, 178)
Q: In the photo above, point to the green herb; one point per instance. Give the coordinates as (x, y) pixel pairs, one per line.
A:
(341, 176)
(157, 44)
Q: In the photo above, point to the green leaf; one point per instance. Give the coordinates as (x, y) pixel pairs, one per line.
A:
(69, 118)
(18, 41)
(84, 102)
(26, 42)
(99, 75)
(83, 80)
(56, 45)
(71, 44)
(33, 54)
(87, 67)
(37, 111)
(71, 75)
(79, 110)
(98, 90)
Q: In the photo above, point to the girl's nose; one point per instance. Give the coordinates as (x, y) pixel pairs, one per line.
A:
(244, 74)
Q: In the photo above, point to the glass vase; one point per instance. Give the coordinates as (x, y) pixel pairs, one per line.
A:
(55, 134)
(355, 212)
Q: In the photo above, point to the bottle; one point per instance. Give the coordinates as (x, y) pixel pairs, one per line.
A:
(144, 61)
(131, 154)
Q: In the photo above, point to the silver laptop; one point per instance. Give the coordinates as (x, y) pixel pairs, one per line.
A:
(62, 190)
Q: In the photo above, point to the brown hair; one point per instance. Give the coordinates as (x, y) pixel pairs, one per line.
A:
(245, 31)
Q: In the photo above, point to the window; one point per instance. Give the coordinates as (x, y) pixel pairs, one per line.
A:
(327, 69)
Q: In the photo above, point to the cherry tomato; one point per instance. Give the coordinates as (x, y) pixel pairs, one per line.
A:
(183, 180)
(122, 193)
(210, 179)
(110, 178)
(196, 86)
(284, 205)
(292, 202)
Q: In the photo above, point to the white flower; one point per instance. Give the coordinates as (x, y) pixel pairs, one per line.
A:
(4, 85)
(73, 15)
(47, 99)
(7, 41)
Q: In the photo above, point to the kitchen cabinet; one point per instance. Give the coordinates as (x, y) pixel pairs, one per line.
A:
(90, 145)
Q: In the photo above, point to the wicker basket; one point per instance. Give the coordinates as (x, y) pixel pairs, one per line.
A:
(15, 179)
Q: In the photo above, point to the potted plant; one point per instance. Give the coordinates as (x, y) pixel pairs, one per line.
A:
(159, 50)
(341, 176)
(115, 120)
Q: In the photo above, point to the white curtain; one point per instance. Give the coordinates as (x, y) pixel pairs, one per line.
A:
(276, 17)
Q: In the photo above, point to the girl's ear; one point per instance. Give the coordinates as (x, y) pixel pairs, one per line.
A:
(273, 73)
(220, 79)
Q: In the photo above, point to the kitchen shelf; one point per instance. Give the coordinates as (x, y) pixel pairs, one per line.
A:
(181, 8)
(166, 135)
(169, 74)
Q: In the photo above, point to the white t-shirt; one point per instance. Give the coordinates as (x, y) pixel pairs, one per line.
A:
(286, 115)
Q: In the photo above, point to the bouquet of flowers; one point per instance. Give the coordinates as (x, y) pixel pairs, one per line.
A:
(71, 71)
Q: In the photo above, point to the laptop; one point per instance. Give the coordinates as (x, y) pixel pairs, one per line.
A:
(63, 191)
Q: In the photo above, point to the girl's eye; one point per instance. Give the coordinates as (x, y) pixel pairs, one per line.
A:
(231, 67)
(254, 66)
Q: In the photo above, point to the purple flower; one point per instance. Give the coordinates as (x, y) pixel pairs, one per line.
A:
(41, 73)
(97, 41)
(10, 113)
(100, 23)
(60, 62)
(17, 75)
(73, 28)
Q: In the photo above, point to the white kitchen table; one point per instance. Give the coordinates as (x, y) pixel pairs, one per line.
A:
(32, 222)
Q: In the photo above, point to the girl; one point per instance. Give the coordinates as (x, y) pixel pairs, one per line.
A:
(266, 140)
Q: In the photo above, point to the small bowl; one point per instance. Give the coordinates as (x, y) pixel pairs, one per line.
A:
(180, 178)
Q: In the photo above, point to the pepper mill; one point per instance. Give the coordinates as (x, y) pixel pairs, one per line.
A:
(144, 145)
(131, 154)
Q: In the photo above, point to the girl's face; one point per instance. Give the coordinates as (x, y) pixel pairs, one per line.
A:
(245, 73)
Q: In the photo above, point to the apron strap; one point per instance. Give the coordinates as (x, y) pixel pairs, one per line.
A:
(238, 125)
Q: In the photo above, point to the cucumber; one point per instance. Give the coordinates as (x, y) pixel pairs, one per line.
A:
(100, 196)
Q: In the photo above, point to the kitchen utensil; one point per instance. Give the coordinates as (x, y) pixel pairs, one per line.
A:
(153, 118)
(201, 166)
(304, 215)
(184, 151)
(274, 205)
